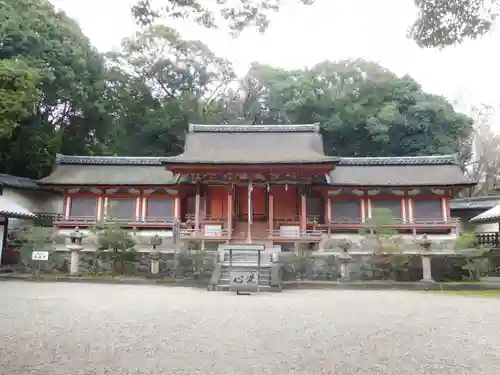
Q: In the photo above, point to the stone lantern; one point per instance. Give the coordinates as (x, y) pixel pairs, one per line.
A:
(156, 241)
(344, 259)
(75, 246)
(425, 245)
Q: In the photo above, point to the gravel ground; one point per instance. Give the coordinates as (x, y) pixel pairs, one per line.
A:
(73, 329)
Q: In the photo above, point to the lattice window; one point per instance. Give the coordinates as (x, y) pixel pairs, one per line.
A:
(160, 207)
(83, 207)
(346, 209)
(121, 208)
(393, 205)
(427, 209)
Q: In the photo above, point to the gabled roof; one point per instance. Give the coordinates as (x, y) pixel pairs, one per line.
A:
(108, 171)
(475, 203)
(18, 182)
(253, 144)
(11, 209)
(440, 170)
(491, 215)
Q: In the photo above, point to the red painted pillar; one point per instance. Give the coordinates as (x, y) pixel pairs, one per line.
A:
(197, 209)
(250, 212)
(270, 213)
(303, 212)
(230, 211)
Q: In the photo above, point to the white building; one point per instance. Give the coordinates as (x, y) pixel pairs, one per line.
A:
(21, 200)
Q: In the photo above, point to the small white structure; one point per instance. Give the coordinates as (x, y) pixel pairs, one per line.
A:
(467, 209)
(491, 215)
(21, 199)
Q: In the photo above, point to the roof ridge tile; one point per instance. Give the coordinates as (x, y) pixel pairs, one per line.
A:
(109, 160)
(284, 128)
(400, 160)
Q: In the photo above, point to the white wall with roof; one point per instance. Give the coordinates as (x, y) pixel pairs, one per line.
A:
(34, 201)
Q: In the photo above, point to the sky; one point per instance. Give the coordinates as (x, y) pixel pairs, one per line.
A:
(301, 36)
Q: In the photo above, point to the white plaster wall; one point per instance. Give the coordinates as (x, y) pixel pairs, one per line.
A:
(467, 226)
(489, 227)
(34, 201)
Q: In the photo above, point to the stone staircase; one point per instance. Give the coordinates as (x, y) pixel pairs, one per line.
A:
(259, 230)
(244, 264)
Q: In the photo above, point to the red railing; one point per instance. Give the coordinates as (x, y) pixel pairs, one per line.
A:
(312, 235)
(61, 220)
(207, 218)
(201, 233)
(395, 223)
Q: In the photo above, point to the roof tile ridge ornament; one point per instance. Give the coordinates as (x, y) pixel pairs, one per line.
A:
(400, 160)
(284, 128)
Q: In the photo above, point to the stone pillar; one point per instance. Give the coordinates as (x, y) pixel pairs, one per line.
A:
(155, 266)
(344, 271)
(426, 269)
(74, 258)
(344, 259)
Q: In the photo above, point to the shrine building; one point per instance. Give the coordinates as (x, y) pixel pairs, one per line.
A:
(269, 184)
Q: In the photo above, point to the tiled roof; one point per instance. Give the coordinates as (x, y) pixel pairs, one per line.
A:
(17, 182)
(303, 128)
(474, 203)
(253, 144)
(402, 160)
(492, 215)
(108, 160)
(441, 170)
(10, 209)
(109, 174)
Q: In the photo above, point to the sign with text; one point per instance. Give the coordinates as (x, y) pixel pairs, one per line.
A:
(40, 255)
(243, 278)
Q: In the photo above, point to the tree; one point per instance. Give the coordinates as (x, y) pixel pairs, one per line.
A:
(439, 23)
(117, 243)
(18, 94)
(64, 82)
(238, 14)
(161, 82)
(388, 258)
(34, 238)
(445, 23)
(364, 109)
(477, 258)
(485, 165)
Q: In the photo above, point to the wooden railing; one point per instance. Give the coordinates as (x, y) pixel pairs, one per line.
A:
(396, 222)
(315, 234)
(198, 233)
(61, 220)
(207, 218)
